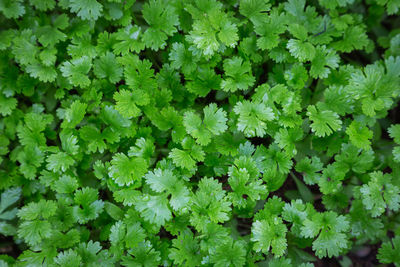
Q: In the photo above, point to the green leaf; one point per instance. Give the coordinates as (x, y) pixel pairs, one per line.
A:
(359, 135)
(253, 118)
(394, 132)
(269, 234)
(213, 32)
(303, 51)
(68, 258)
(88, 207)
(165, 181)
(324, 122)
(33, 232)
(388, 252)
(51, 35)
(310, 168)
(209, 203)
(154, 209)
(92, 254)
(237, 75)
(128, 40)
(140, 76)
(269, 28)
(162, 18)
(113, 210)
(330, 230)
(9, 197)
(354, 158)
(41, 72)
(66, 184)
(94, 138)
(242, 184)
(380, 194)
(144, 148)
(214, 123)
(323, 61)
(74, 114)
(185, 249)
(128, 234)
(87, 9)
(182, 58)
(230, 253)
(396, 153)
(76, 71)
(43, 5)
(24, 46)
(12, 9)
(304, 191)
(254, 9)
(59, 162)
(182, 159)
(107, 67)
(286, 139)
(7, 105)
(127, 171)
(142, 255)
(127, 102)
(354, 38)
(35, 227)
(297, 212)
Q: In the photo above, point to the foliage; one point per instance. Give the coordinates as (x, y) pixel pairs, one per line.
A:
(199, 132)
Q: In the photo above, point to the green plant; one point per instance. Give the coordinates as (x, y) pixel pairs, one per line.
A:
(199, 132)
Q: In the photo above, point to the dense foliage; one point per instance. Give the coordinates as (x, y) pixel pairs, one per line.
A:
(199, 132)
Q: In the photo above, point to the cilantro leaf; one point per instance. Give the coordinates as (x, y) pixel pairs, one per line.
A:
(125, 170)
(76, 71)
(127, 101)
(244, 185)
(142, 255)
(181, 57)
(269, 234)
(107, 67)
(359, 135)
(231, 253)
(213, 32)
(310, 168)
(60, 161)
(303, 51)
(238, 75)
(185, 250)
(87, 9)
(12, 9)
(154, 209)
(165, 181)
(253, 117)
(182, 158)
(387, 253)
(254, 9)
(380, 194)
(88, 207)
(128, 40)
(74, 114)
(323, 61)
(214, 123)
(161, 17)
(324, 122)
(209, 204)
(330, 230)
(269, 29)
(394, 132)
(7, 105)
(43, 5)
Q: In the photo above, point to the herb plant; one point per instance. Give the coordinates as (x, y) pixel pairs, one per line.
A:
(199, 133)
